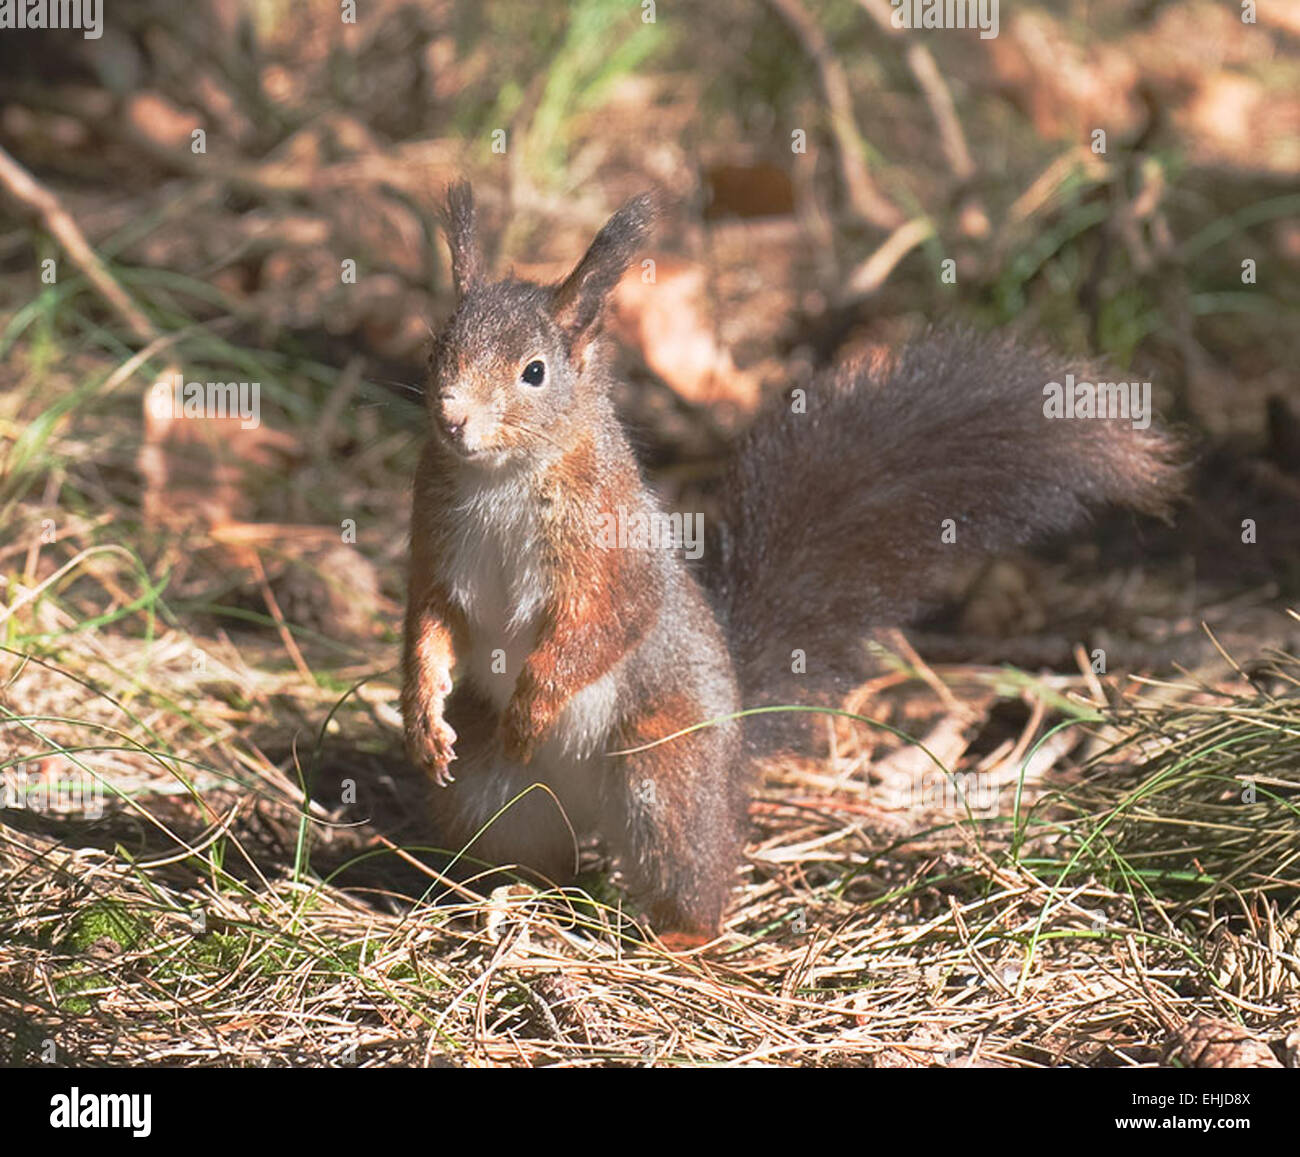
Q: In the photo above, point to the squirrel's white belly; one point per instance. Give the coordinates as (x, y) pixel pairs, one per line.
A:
(502, 621)
(587, 722)
(495, 574)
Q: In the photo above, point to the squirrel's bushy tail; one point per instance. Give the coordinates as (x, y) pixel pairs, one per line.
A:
(836, 515)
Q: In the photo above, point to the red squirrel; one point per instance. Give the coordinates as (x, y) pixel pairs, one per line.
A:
(568, 655)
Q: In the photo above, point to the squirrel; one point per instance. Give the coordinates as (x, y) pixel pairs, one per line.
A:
(572, 659)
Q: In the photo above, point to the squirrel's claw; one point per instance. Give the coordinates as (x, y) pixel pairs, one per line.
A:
(431, 746)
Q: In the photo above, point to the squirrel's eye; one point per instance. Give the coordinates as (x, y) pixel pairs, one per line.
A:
(534, 373)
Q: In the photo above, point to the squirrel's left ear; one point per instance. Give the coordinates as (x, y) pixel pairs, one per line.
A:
(578, 301)
(462, 238)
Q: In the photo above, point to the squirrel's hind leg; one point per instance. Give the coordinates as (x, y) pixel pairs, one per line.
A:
(675, 817)
(500, 812)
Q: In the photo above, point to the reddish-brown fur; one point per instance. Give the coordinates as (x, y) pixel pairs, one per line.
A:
(435, 631)
(578, 641)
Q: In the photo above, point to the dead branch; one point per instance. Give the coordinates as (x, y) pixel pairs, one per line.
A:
(872, 273)
(937, 96)
(866, 200)
(45, 207)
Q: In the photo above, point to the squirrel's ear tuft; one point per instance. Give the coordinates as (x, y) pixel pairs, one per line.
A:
(579, 299)
(462, 238)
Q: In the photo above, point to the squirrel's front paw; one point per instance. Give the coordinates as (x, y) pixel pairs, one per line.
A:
(430, 744)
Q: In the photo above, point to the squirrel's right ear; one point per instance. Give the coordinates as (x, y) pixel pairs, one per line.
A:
(581, 296)
(462, 239)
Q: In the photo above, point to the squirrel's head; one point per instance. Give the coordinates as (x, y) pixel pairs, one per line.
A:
(512, 369)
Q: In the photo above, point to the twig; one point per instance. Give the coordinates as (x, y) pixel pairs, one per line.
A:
(937, 96)
(44, 205)
(866, 200)
(273, 605)
(871, 274)
(27, 596)
(1047, 186)
(898, 641)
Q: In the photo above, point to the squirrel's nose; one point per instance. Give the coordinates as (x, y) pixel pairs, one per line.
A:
(454, 413)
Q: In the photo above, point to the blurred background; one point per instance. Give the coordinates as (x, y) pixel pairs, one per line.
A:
(249, 190)
(1096, 174)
